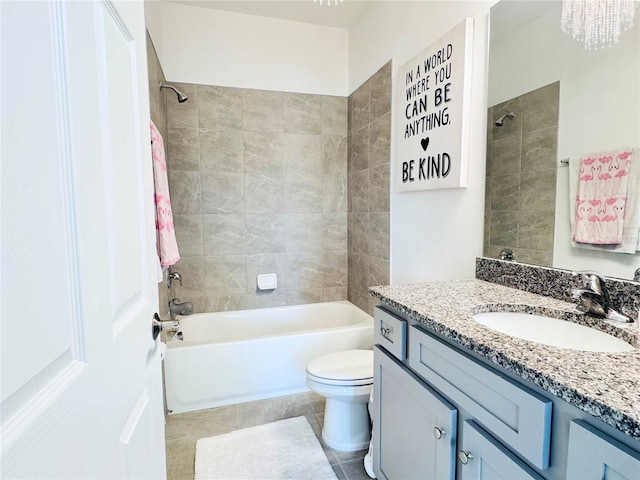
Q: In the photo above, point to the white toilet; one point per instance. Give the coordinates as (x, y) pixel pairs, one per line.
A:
(345, 378)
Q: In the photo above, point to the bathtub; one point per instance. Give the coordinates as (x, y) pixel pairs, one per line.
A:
(233, 357)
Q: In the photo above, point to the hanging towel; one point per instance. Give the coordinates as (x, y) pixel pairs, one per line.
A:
(602, 197)
(166, 243)
(631, 232)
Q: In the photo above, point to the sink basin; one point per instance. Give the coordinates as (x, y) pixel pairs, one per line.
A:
(552, 331)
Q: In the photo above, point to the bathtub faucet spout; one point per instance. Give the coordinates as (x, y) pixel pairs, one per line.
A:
(176, 307)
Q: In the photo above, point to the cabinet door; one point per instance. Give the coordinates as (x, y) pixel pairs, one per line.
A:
(482, 457)
(416, 436)
(594, 455)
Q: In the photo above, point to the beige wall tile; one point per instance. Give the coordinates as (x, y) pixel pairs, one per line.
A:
(225, 274)
(188, 230)
(220, 108)
(221, 151)
(302, 153)
(224, 234)
(266, 233)
(335, 118)
(223, 193)
(183, 149)
(262, 111)
(263, 152)
(184, 188)
(302, 113)
(264, 193)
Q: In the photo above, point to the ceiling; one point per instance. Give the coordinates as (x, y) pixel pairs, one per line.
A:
(343, 15)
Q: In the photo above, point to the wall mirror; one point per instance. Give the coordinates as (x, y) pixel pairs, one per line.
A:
(550, 99)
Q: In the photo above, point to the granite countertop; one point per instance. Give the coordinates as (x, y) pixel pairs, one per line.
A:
(605, 385)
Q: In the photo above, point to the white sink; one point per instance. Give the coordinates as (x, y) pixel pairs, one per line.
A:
(552, 331)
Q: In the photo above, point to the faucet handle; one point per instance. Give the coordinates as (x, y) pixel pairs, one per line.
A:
(173, 276)
(591, 280)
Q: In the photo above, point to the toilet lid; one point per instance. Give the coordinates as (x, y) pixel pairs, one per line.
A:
(348, 366)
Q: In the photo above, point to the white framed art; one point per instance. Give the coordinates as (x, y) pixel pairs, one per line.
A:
(432, 111)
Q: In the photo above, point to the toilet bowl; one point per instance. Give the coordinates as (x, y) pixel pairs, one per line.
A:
(345, 378)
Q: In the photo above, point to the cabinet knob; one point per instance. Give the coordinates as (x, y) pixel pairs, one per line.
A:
(438, 432)
(464, 457)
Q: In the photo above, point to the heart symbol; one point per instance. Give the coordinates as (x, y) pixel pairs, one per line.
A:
(425, 143)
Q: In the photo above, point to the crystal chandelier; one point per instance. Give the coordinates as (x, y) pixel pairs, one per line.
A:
(335, 2)
(597, 23)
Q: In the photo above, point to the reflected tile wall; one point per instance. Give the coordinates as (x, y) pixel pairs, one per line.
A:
(521, 176)
(368, 186)
(259, 184)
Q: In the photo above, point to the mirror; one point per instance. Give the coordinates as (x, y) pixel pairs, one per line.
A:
(552, 99)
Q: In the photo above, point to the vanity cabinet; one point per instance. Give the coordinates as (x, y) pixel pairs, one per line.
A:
(415, 437)
(482, 457)
(440, 412)
(594, 455)
(519, 417)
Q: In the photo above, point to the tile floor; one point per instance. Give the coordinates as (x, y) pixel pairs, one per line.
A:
(183, 430)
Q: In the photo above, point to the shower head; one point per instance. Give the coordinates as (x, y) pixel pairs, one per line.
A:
(181, 96)
(500, 121)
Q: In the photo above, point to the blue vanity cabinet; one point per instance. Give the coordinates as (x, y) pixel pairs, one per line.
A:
(499, 427)
(482, 457)
(516, 415)
(594, 455)
(415, 438)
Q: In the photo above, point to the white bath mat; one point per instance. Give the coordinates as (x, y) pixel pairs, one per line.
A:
(287, 449)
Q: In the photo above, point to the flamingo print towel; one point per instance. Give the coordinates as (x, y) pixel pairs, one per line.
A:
(602, 197)
(166, 243)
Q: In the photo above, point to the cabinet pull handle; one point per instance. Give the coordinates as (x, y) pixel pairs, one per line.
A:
(464, 457)
(438, 432)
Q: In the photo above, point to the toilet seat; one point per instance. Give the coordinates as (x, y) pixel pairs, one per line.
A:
(345, 368)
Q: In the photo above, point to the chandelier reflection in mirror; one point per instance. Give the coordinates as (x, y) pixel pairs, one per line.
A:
(597, 23)
(328, 2)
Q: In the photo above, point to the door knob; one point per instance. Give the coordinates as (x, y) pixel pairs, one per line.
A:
(438, 432)
(464, 457)
(156, 326)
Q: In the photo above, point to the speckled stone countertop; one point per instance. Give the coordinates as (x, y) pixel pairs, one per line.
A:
(605, 385)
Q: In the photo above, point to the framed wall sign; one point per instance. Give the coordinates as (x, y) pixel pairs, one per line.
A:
(433, 102)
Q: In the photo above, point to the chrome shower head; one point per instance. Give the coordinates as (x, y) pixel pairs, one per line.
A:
(181, 96)
(500, 121)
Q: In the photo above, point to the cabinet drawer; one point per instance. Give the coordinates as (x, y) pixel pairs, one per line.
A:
(595, 455)
(390, 332)
(518, 416)
(485, 458)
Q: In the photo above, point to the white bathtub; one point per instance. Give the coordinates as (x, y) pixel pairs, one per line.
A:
(234, 357)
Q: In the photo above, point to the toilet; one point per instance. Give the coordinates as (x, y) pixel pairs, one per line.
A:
(345, 378)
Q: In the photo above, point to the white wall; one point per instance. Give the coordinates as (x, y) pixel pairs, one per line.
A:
(153, 22)
(435, 235)
(599, 110)
(215, 47)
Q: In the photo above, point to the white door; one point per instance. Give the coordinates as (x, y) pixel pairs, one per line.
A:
(80, 376)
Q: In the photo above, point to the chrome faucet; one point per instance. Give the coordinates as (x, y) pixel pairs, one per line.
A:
(594, 298)
(506, 254)
(176, 307)
(173, 276)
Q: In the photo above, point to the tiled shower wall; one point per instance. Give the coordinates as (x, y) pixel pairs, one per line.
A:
(521, 177)
(369, 153)
(258, 184)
